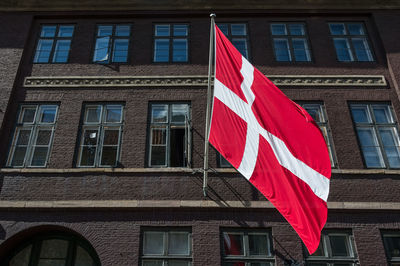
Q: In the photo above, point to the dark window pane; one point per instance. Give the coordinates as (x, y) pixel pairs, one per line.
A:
(235, 263)
(233, 244)
(161, 50)
(111, 137)
(296, 29)
(83, 258)
(178, 243)
(22, 258)
(238, 29)
(177, 147)
(48, 31)
(355, 28)
(337, 29)
(47, 114)
(178, 263)
(61, 51)
(260, 264)
(122, 30)
(360, 114)
(393, 246)
(162, 30)
(101, 52)
(23, 136)
(258, 245)
(120, 53)
(179, 53)
(339, 246)
(109, 156)
(51, 262)
(152, 263)
(224, 28)
(382, 114)
(159, 113)
(153, 243)
(28, 115)
(19, 156)
(361, 49)
(66, 31)
(180, 30)
(179, 113)
(93, 114)
(159, 136)
(43, 137)
(88, 156)
(54, 249)
(113, 114)
(104, 31)
(278, 29)
(241, 46)
(43, 51)
(39, 156)
(343, 50)
(158, 155)
(90, 137)
(282, 50)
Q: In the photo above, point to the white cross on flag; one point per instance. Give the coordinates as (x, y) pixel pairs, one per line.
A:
(271, 141)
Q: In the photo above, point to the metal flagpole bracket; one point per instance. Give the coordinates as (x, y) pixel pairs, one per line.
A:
(208, 110)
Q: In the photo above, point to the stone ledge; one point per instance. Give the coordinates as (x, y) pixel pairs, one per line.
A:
(71, 204)
(170, 170)
(190, 81)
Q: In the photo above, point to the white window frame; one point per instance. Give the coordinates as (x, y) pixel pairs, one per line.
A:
(391, 260)
(328, 258)
(348, 38)
(167, 126)
(375, 128)
(289, 40)
(100, 127)
(165, 256)
(246, 257)
(34, 127)
(324, 124)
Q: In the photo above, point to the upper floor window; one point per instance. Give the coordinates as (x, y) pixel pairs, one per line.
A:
(54, 44)
(318, 113)
(167, 247)
(391, 242)
(377, 134)
(237, 34)
(33, 136)
(246, 248)
(351, 42)
(335, 248)
(290, 42)
(169, 135)
(171, 43)
(112, 44)
(101, 135)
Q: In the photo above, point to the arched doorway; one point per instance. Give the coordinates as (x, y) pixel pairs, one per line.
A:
(53, 249)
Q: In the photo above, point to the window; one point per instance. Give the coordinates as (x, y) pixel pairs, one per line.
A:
(167, 248)
(237, 34)
(112, 44)
(391, 242)
(350, 40)
(317, 112)
(222, 162)
(169, 135)
(54, 44)
(54, 250)
(290, 42)
(377, 134)
(335, 248)
(33, 136)
(171, 43)
(101, 135)
(246, 248)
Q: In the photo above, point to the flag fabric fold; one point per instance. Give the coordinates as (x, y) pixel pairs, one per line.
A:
(271, 141)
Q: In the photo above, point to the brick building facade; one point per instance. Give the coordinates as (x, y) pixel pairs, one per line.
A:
(98, 167)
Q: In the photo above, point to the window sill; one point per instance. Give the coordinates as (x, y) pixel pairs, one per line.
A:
(175, 170)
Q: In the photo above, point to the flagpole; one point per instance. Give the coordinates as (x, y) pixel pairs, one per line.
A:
(206, 144)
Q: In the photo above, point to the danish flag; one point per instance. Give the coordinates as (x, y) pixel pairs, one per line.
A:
(271, 141)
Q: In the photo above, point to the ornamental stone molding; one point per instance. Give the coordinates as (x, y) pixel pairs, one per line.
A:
(189, 81)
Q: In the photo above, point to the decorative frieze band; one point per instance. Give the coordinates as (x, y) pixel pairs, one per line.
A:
(175, 81)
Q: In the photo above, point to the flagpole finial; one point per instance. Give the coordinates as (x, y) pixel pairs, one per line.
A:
(212, 15)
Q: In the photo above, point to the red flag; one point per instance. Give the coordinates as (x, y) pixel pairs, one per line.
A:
(271, 141)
